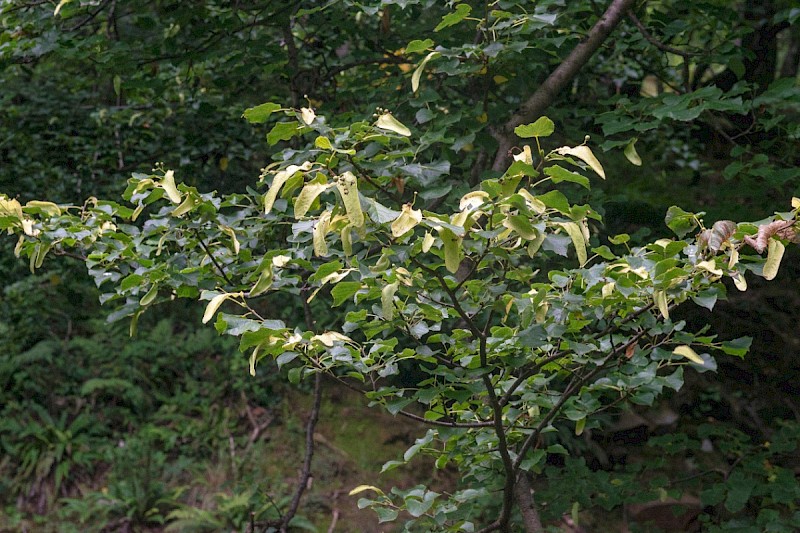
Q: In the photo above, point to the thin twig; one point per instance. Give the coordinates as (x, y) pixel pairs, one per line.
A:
(211, 256)
(665, 48)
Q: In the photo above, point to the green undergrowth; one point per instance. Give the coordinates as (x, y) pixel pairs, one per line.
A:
(167, 431)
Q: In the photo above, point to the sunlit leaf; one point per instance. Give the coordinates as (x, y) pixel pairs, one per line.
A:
(387, 122)
(576, 234)
(408, 219)
(347, 184)
(631, 153)
(213, 305)
(260, 113)
(307, 115)
(427, 242)
(307, 196)
(461, 12)
(387, 300)
(543, 127)
(525, 156)
(277, 182)
(418, 45)
(775, 250)
(688, 353)
(45, 207)
(415, 77)
(168, 183)
(321, 229)
(362, 488)
(585, 154)
(188, 204)
(660, 298)
(346, 235)
(710, 266)
(323, 143)
(473, 200)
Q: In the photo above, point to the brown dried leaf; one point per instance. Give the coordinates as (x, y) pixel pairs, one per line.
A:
(783, 228)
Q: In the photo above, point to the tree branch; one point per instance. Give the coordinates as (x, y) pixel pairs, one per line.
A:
(558, 80)
(664, 48)
(305, 473)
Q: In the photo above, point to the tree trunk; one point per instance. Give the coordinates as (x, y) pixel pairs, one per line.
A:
(527, 507)
(558, 80)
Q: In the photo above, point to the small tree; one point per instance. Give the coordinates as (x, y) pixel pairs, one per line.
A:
(518, 318)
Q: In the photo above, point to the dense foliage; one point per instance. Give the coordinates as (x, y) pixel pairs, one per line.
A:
(442, 257)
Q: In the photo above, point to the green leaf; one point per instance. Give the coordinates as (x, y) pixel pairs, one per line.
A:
(522, 225)
(543, 127)
(323, 142)
(283, 131)
(418, 45)
(148, 298)
(260, 113)
(263, 283)
(680, 221)
(555, 200)
(576, 234)
(452, 249)
(343, 291)
(417, 507)
(387, 122)
(461, 12)
(295, 374)
(559, 174)
(631, 153)
(386, 514)
(738, 347)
